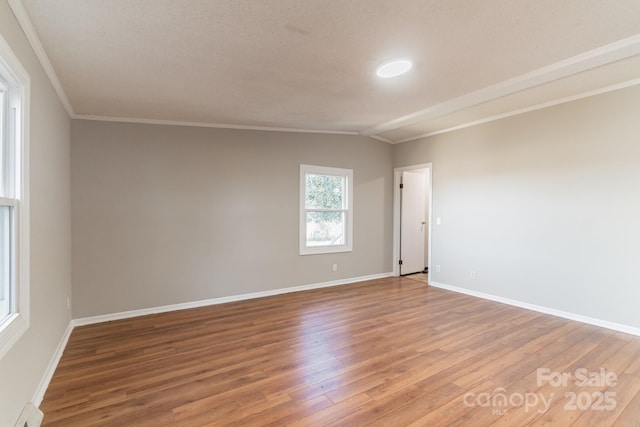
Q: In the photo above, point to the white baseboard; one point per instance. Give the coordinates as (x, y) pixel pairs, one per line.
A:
(31, 416)
(546, 310)
(53, 363)
(51, 368)
(173, 307)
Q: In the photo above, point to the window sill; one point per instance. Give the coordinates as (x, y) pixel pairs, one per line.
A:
(318, 250)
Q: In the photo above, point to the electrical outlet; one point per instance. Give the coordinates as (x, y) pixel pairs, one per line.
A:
(335, 267)
(438, 221)
(438, 268)
(473, 275)
(68, 303)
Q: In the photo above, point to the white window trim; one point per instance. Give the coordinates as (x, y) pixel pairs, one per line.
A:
(324, 170)
(16, 77)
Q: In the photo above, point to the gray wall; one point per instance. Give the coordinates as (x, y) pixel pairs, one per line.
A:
(544, 206)
(166, 214)
(22, 368)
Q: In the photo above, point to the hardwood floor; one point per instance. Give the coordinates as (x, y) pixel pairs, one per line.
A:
(389, 352)
(420, 277)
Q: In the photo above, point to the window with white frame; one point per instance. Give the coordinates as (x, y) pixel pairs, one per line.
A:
(14, 220)
(326, 210)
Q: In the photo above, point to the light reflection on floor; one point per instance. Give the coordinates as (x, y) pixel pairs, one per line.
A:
(420, 277)
(320, 349)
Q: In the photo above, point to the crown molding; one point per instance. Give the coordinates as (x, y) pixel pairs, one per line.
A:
(207, 125)
(612, 52)
(610, 88)
(616, 51)
(27, 27)
(379, 138)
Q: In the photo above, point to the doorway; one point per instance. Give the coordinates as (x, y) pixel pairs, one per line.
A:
(412, 219)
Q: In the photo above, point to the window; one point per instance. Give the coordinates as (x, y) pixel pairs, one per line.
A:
(326, 210)
(14, 220)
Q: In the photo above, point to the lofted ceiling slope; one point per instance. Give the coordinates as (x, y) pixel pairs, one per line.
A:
(310, 64)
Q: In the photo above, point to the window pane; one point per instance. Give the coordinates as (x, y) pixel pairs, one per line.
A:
(5, 261)
(325, 228)
(324, 192)
(3, 147)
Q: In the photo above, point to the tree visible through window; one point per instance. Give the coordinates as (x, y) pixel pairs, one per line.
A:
(326, 225)
(326, 209)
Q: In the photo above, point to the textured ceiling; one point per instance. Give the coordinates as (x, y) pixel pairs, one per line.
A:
(310, 64)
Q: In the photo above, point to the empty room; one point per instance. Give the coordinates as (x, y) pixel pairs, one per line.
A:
(319, 213)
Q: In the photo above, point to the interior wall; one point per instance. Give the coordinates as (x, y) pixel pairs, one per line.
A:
(167, 214)
(544, 206)
(23, 367)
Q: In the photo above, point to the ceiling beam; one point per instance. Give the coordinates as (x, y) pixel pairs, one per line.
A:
(613, 52)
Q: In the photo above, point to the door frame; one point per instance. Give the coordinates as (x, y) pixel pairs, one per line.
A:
(397, 173)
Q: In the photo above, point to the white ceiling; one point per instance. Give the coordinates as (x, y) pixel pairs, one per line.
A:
(310, 64)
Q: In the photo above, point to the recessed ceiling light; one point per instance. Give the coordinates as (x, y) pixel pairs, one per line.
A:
(393, 68)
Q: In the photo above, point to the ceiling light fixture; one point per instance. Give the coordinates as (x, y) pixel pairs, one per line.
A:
(393, 68)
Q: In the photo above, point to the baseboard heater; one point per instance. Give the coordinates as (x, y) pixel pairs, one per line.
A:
(31, 416)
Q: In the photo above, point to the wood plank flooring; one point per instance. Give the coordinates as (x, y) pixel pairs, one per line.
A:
(420, 277)
(388, 352)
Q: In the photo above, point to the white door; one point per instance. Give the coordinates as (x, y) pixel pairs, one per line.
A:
(412, 222)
